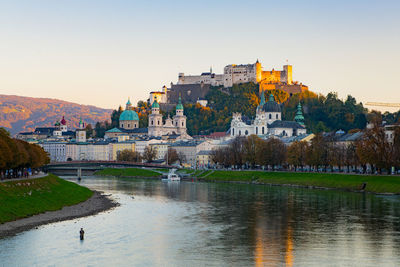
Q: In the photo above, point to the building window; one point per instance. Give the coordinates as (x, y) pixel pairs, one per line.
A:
(182, 123)
(276, 116)
(263, 130)
(158, 122)
(129, 125)
(122, 125)
(135, 125)
(270, 116)
(152, 122)
(256, 130)
(246, 132)
(233, 131)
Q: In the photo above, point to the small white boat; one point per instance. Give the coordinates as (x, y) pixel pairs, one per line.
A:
(172, 177)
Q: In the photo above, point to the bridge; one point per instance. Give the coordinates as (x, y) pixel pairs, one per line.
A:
(89, 167)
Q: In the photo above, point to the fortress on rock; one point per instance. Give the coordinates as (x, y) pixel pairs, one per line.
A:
(195, 87)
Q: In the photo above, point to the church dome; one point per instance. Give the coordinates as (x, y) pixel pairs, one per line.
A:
(129, 115)
(271, 105)
(63, 121)
(155, 104)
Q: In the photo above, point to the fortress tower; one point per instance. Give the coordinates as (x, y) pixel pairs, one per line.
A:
(287, 71)
(258, 71)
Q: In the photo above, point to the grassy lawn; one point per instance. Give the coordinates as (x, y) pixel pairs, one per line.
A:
(376, 184)
(24, 198)
(134, 172)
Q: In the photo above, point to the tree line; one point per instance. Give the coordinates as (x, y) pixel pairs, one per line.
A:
(149, 155)
(16, 156)
(374, 149)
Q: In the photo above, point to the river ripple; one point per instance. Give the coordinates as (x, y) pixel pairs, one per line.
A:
(207, 224)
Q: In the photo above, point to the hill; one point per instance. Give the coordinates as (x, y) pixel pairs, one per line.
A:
(20, 113)
(322, 113)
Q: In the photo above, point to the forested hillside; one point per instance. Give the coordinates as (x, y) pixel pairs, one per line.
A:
(18, 113)
(322, 113)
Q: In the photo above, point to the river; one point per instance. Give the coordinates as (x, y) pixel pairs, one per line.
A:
(210, 224)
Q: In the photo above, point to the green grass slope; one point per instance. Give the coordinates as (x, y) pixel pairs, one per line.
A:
(375, 184)
(24, 198)
(126, 172)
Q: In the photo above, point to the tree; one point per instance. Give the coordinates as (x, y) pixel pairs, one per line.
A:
(115, 117)
(149, 153)
(396, 147)
(89, 130)
(375, 149)
(272, 153)
(351, 158)
(250, 149)
(296, 154)
(172, 156)
(317, 152)
(128, 155)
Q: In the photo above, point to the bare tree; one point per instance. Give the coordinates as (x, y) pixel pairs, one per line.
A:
(149, 153)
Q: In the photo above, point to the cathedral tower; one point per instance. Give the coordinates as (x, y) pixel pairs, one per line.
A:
(179, 119)
(155, 120)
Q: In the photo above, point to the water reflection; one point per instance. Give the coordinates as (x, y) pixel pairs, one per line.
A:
(191, 224)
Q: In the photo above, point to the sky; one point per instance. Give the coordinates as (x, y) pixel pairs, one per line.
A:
(102, 52)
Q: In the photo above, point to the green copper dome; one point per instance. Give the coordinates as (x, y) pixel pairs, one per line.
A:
(299, 118)
(179, 106)
(155, 104)
(129, 115)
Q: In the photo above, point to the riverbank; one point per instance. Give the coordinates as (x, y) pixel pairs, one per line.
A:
(348, 182)
(26, 204)
(129, 172)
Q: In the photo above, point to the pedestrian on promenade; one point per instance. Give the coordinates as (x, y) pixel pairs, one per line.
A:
(81, 234)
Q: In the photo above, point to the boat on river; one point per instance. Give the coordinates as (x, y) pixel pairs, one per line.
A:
(172, 177)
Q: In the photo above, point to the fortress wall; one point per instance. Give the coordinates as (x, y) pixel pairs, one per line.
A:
(189, 92)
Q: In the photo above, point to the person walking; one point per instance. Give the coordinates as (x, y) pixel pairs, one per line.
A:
(82, 234)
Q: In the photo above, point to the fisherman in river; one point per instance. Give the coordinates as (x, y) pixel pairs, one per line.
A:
(81, 233)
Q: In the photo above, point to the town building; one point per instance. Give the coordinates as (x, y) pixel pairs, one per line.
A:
(204, 159)
(56, 150)
(188, 150)
(268, 121)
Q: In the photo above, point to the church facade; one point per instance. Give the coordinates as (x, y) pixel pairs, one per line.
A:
(268, 121)
(129, 123)
(174, 126)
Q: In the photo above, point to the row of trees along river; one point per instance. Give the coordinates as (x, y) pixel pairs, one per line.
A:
(16, 156)
(371, 149)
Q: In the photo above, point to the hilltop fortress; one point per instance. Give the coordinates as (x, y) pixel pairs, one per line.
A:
(235, 74)
(194, 88)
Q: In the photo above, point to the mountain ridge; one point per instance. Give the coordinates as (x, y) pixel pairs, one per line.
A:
(24, 113)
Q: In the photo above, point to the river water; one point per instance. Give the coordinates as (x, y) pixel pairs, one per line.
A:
(208, 224)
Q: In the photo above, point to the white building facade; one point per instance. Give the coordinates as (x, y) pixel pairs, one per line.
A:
(268, 121)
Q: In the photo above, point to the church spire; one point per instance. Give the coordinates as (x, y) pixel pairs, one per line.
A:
(179, 106)
(262, 100)
(299, 118)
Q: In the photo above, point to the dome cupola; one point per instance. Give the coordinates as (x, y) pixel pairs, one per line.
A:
(129, 115)
(271, 105)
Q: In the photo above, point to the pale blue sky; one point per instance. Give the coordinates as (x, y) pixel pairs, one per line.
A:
(101, 52)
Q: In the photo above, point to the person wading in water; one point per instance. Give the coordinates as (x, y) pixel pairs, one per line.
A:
(81, 233)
